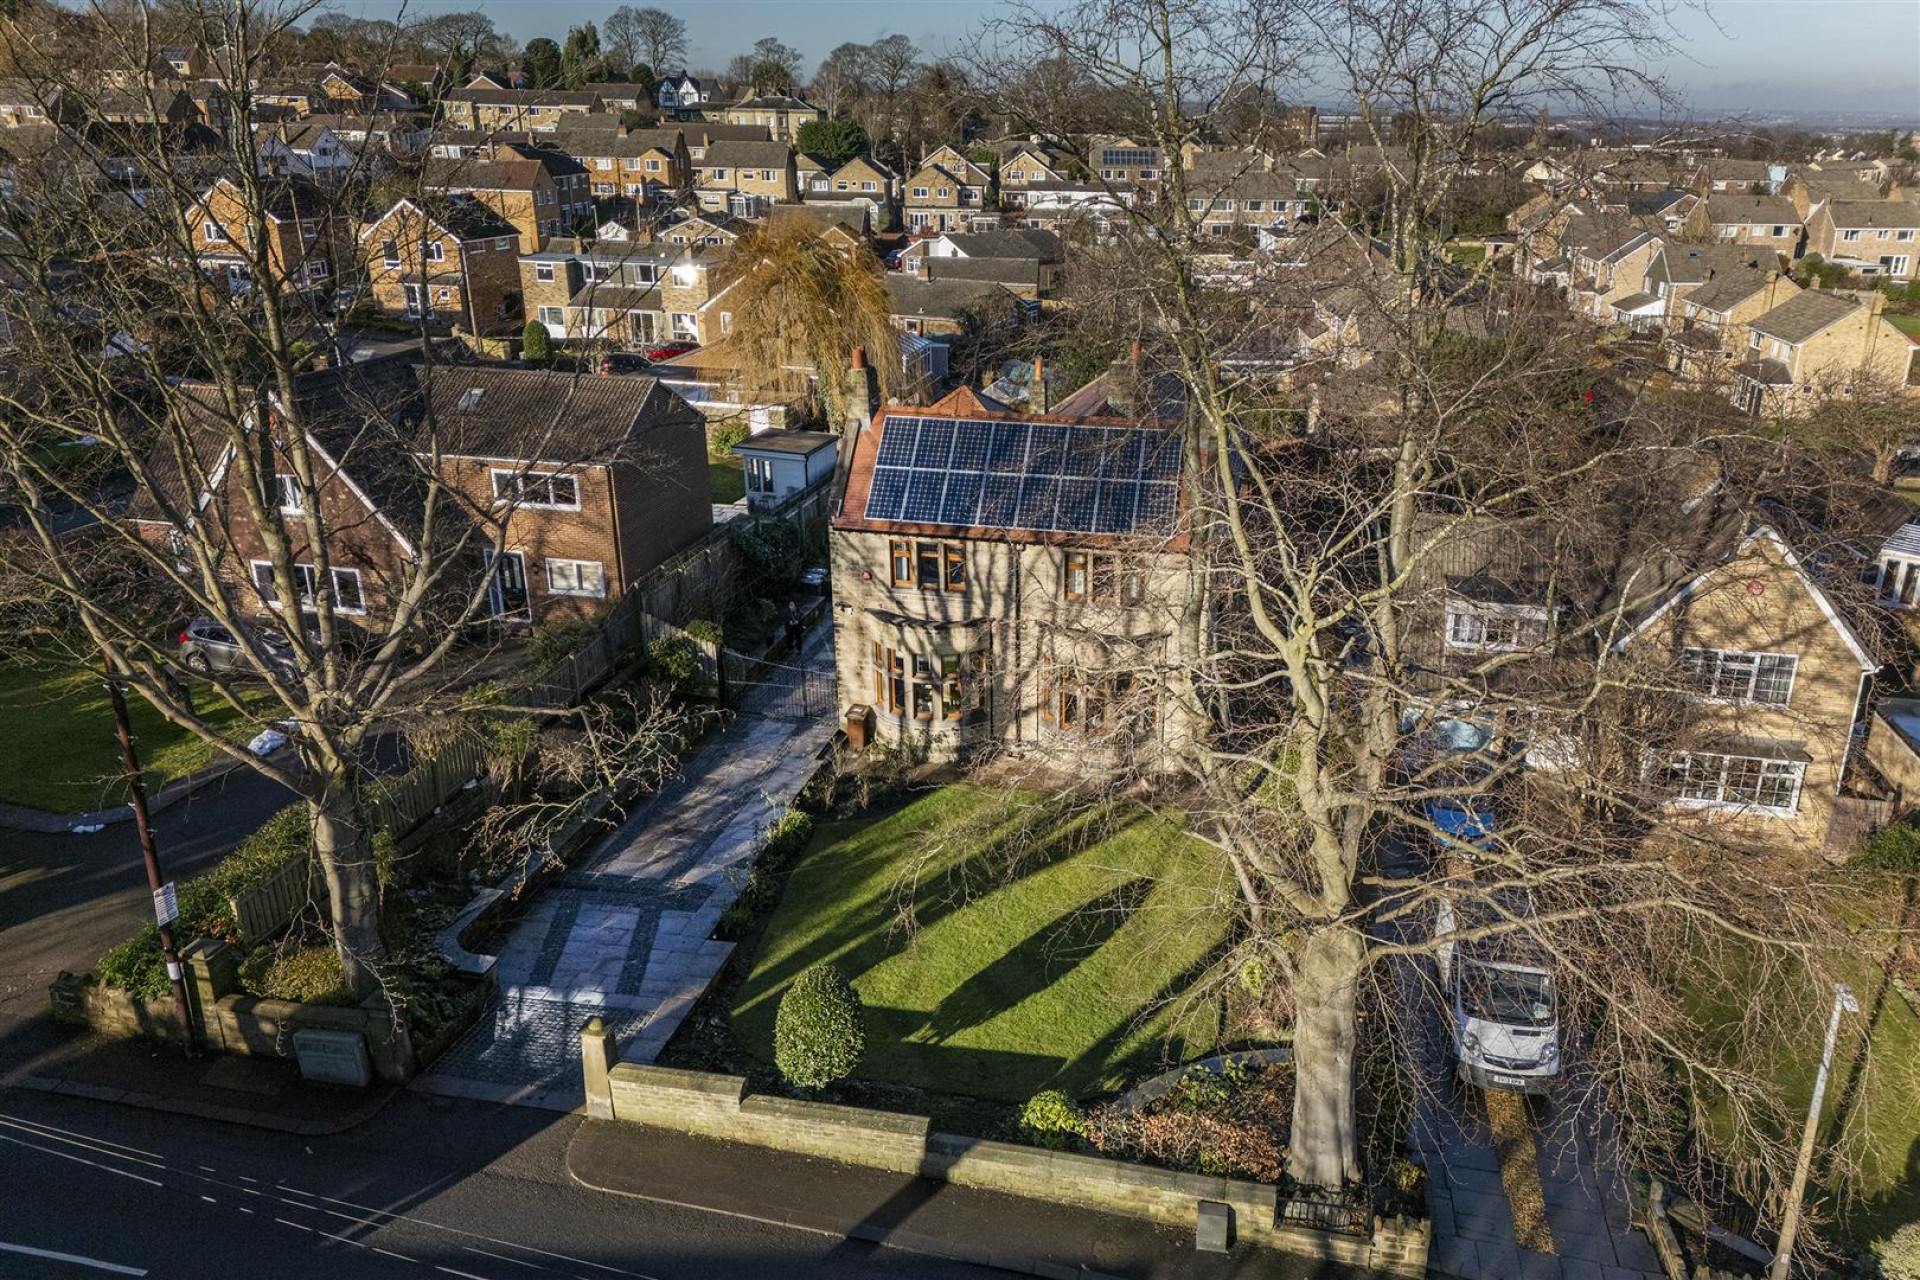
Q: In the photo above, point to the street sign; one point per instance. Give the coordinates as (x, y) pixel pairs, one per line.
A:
(166, 904)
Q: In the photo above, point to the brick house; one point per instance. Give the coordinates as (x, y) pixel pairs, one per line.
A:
(984, 599)
(1818, 343)
(743, 178)
(542, 192)
(540, 110)
(453, 260)
(599, 478)
(583, 484)
(306, 235)
(1874, 237)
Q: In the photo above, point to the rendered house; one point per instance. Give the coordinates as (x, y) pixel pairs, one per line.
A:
(677, 93)
(779, 464)
(1008, 581)
(1027, 262)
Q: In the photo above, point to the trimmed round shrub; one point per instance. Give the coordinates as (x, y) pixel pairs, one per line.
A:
(819, 1031)
(535, 345)
(1052, 1119)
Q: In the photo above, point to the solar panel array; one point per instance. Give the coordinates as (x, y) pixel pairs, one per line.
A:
(1036, 476)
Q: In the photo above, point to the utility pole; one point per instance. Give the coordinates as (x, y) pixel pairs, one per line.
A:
(1843, 1002)
(137, 797)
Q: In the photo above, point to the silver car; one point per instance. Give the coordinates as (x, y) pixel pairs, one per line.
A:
(207, 646)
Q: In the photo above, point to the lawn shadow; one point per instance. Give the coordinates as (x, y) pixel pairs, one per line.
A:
(1036, 962)
(1103, 1055)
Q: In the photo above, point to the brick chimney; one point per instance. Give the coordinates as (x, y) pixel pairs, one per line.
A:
(1038, 401)
(862, 389)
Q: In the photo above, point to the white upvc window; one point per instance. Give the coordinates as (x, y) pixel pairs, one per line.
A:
(603, 162)
(215, 233)
(1906, 234)
(1495, 628)
(1717, 780)
(1733, 675)
(685, 325)
(543, 272)
(553, 317)
(759, 475)
(919, 193)
(347, 597)
(576, 578)
(436, 251)
(289, 501)
(317, 269)
(1850, 235)
(868, 184)
(719, 175)
(545, 489)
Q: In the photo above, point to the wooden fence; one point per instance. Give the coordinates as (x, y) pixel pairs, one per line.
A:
(397, 803)
(271, 905)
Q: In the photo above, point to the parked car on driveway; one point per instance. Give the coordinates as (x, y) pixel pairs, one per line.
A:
(207, 646)
(1500, 993)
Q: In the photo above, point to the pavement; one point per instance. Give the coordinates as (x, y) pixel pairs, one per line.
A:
(629, 937)
(931, 1220)
(437, 1187)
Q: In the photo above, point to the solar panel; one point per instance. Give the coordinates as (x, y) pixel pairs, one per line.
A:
(935, 445)
(889, 490)
(1009, 452)
(1076, 510)
(923, 497)
(1040, 476)
(896, 442)
(962, 503)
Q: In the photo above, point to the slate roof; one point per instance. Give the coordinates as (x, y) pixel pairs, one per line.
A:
(1724, 208)
(1803, 316)
(941, 299)
(1021, 242)
(525, 97)
(1724, 292)
(1891, 214)
(736, 154)
(1697, 263)
(546, 415)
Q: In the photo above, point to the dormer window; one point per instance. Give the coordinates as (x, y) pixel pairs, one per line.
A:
(1478, 626)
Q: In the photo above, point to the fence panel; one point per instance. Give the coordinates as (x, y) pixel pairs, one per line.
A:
(271, 905)
(398, 803)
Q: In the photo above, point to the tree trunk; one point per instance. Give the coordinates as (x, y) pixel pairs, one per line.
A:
(353, 884)
(1324, 1149)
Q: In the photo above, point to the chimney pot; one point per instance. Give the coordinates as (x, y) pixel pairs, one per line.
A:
(1136, 352)
(859, 358)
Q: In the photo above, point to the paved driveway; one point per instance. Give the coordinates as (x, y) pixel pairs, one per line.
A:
(629, 938)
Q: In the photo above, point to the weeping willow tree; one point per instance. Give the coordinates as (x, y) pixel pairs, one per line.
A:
(800, 301)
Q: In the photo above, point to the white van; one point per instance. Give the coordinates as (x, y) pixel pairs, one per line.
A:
(1501, 995)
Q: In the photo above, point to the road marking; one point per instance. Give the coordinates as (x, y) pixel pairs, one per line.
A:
(244, 1178)
(74, 1133)
(74, 1258)
(84, 1144)
(518, 1262)
(464, 1275)
(209, 1199)
(391, 1254)
(242, 1208)
(67, 1155)
(474, 1235)
(296, 1226)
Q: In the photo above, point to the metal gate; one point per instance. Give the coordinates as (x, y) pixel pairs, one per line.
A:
(774, 690)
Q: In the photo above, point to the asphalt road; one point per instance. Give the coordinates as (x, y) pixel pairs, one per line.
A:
(430, 1188)
(66, 898)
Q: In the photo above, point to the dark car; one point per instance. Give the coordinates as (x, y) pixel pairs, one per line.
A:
(207, 646)
(622, 362)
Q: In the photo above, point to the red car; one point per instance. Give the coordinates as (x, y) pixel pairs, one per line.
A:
(668, 350)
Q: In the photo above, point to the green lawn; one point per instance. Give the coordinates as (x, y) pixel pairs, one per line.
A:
(1874, 1092)
(58, 751)
(1043, 951)
(726, 479)
(1909, 325)
(1467, 255)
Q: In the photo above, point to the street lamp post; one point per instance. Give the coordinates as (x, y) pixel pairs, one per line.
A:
(1844, 1001)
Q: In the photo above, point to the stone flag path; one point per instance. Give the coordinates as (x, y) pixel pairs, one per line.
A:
(629, 937)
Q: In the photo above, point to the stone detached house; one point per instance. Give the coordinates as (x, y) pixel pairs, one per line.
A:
(781, 115)
(646, 166)
(452, 260)
(1769, 222)
(938, 199)
(306, 235)
(540, 110)
(1818, 343)
(1875, 237)
(1011, 580)
(743, 178)
(541, 191)
(1710, 323)
(627, 294)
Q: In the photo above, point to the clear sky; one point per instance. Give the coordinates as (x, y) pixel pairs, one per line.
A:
(1750, 55)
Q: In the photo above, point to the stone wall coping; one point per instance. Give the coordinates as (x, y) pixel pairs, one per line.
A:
(828, 1113)
(705, 1082)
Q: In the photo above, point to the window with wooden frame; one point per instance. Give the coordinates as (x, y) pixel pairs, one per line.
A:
(900, 557)
(889, 679)
(931, 566)
(923, 687)
(1104, 576)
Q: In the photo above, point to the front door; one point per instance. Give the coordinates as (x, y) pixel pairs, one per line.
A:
(507, 589)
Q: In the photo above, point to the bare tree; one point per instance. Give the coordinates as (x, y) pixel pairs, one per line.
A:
(651, 35)
(1326, 507)
(299, 503)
